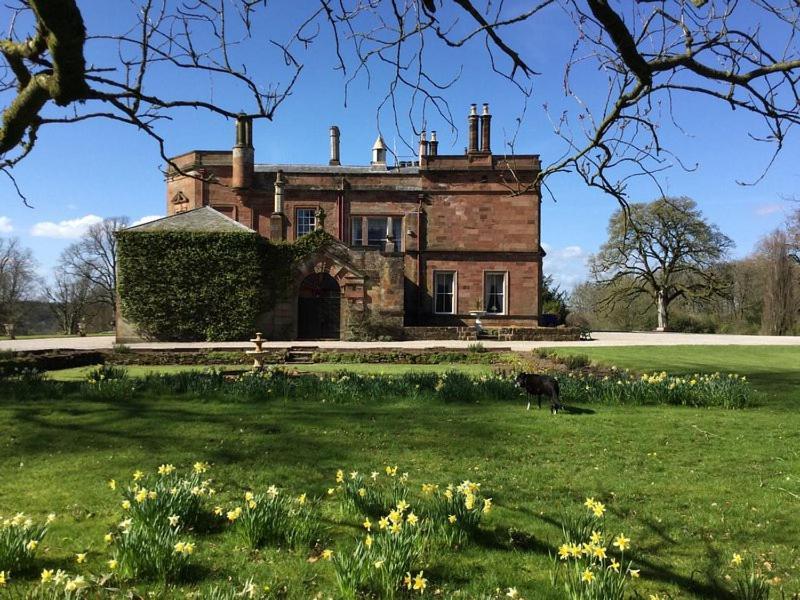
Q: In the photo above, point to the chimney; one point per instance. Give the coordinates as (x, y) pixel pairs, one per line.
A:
(423, 144)
(242, 155)
(334, 146)
(433, 145)
(379, 153)
(486, 130)
(473, 129)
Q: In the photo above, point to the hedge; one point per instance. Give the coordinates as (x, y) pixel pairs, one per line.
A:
(186, 285)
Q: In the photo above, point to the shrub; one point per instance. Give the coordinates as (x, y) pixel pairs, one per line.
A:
(185, 285)
(477, 347)
(20, 537)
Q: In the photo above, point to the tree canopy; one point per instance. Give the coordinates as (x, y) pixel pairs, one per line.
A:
(666, 250)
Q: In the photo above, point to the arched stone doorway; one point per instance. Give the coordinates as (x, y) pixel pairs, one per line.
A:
(319, 308)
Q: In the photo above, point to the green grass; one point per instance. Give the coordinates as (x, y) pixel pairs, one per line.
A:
(689, 486)
(79, 373)
(43, 336)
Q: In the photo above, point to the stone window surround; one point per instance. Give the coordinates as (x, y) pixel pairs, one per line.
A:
(390, 220)
(454, 273)
(505, 291)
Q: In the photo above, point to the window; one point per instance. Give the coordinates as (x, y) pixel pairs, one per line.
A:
(376, 232)
(444, 283)
(494, 293)
(356, 232)
(305, 222)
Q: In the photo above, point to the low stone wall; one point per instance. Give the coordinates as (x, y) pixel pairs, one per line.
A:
(506, 334)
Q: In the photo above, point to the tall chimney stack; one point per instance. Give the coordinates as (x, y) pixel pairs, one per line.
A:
(486, 130)
(334, 146)
(423, 144)
(473, 129)
(243, 154)
(433, 145)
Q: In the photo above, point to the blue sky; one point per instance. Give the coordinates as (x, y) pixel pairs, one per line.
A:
(81, 173)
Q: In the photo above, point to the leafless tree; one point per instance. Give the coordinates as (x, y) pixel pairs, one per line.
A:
(652, 58)
(793, 233)
(17, 279)
(93, 258)
(69, 298)
(780, 306)
(665, 250)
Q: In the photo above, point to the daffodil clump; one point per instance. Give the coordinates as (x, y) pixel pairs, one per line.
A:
(456, 510)
(371, 493)
(20, 538)
(152, 497)
(749, 581)
(275, 517)
(60, 585)
(593, 567)
(383, 558)
(159, 509)
(701, 390)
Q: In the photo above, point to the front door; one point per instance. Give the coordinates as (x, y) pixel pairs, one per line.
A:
(319, 308)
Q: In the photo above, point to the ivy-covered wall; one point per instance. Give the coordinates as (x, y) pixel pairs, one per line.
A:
(184, 285)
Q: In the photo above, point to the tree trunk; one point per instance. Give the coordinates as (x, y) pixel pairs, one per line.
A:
(661, 304)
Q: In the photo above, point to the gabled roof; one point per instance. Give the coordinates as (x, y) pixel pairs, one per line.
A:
(204, 218)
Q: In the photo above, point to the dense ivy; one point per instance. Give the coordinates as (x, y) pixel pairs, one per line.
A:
(182, 285)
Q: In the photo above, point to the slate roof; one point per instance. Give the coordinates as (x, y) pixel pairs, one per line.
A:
(204, 218)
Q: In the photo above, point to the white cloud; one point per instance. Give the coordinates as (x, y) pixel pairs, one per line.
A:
(764, 210)
(146, 219)
(567, 265)
(69, 229)
(5, 225)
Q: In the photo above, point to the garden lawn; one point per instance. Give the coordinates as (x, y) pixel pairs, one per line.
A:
(689, 486)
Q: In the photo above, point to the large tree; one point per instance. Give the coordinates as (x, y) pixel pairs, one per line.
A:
(93, 258)
(780, 305)
(665, 250)
(17, 279)
(69, 300)
(625, 73)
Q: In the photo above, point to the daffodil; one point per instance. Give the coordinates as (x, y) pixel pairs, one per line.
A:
(596, 537)
(383, 522)
(301, 499)
(80, 557)
(622, 542)
(587, 576)
(47, 575)
(137, 475)
(402, 505)
(327, 554)
(563, 551)
(368, 541)
(452, 519)
(634, 573)
(112, 564)
(367, 524)
(420, 583)
(487, 505)
(126, 505)
(4, 577)
(512, 593)
(31, 545)
(598, 509)
(173, 520)
(412, 519)
(201, 467)
(108, 538)
(614, 565)
(339, 476)
(736, 560)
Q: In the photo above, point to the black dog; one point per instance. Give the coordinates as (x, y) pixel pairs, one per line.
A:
(540, 385)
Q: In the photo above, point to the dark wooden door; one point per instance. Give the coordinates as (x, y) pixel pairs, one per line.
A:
(319, 308)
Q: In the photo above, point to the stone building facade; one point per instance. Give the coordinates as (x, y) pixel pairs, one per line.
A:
(423, 243)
